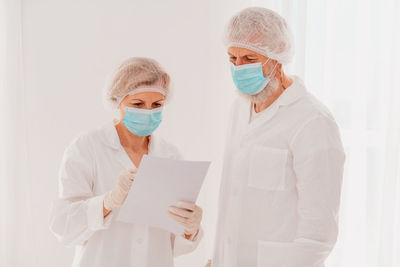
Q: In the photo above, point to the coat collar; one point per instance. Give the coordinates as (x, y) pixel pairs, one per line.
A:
(291, 95)
(111, 138)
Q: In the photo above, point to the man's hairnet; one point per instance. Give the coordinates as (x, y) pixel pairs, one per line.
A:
(263, 31)
(136, 75)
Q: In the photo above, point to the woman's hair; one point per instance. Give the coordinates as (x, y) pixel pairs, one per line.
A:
(135, 73)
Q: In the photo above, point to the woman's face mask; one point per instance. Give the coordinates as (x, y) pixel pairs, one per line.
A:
(142, 122)
(142, 112)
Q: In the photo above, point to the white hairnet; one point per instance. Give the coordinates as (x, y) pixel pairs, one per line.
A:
(263, 31)
(136, 75)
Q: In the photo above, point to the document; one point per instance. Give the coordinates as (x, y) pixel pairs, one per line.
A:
(160, 183)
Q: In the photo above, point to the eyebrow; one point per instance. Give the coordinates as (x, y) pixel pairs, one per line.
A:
(136, 99)
(246, 55)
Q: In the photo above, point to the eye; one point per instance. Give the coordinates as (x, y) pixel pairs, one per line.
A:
(232, 58)
(157, 105)
(136, 104)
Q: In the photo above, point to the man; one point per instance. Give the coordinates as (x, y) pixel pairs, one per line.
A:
(283, 165)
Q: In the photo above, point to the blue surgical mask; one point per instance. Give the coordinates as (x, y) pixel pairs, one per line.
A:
(249, 78)
(142, 122)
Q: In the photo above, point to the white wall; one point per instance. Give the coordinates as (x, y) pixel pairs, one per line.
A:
(70, 46)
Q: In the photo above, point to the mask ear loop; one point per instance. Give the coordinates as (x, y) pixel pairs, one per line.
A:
(280, 73)
(266, 61)
(272, 68)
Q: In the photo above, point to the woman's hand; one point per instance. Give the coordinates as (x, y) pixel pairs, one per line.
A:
(208, 264)
(189, 215)
(116, 197)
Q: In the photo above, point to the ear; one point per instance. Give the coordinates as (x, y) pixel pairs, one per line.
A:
(121, 112)
(278, 71)
(120, 106)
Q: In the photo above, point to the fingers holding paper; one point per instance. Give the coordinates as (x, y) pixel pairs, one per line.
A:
(116, 197)
(189, 215)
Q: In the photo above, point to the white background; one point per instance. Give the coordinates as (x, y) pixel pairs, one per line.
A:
(54, 71)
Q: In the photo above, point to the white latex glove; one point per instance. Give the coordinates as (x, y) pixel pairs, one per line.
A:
(187, 214)
(116, 197)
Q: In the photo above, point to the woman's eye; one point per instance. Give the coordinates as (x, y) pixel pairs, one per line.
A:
(137, 104)
(157, 104)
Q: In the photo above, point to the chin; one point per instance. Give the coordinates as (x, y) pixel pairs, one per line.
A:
(269, 90)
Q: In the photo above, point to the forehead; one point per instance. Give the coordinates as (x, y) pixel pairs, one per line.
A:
(240, 52)
(147, 96)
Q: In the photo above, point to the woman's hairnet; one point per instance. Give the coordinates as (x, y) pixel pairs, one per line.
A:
(136, 75)
(263, 31)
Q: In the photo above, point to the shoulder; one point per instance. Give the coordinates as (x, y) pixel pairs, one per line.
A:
(308, 108)
(307, 105)
(318, 131)
(314, 114)
(310, 118)
(85, 141)
(81, 142)
(314, 107)
(105, 134)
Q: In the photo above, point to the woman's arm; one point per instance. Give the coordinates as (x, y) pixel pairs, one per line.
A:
(78, 213)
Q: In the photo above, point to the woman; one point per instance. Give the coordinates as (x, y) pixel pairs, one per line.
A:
(98, 170)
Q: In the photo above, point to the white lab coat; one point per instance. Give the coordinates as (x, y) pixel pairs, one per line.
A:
(281, 183)
(90, 167)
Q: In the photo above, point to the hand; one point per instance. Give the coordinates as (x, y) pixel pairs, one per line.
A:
(208, 264)
(187, 214)
(116, 197)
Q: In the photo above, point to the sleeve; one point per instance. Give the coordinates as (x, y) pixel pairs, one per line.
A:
(318, 160)
(78, 213)
(184, 246)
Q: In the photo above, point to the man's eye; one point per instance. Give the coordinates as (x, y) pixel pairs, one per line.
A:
(232, 58)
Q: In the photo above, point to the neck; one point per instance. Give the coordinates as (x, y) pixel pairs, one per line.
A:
(284, 82)
(131, 141)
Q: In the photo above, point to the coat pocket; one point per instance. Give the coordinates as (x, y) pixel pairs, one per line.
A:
(268, 168)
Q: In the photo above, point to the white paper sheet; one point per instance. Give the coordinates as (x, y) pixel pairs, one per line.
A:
(160, 183)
